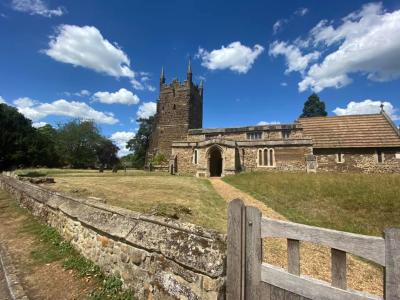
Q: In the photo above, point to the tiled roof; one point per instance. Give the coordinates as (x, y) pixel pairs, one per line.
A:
(355, 131)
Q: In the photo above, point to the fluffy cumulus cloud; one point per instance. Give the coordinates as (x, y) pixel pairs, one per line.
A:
(120, 138)
(2, 100)
(36, 7)
(86, 47)
(146, 110)
(36, 111)
(123, 96)
(235, 57)
(368, 106)
(295, 60)
(363, 42)
(261, 123)
(24, 102)
(39, 124)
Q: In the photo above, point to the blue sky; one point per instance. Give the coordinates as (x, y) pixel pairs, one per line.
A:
(259, 60)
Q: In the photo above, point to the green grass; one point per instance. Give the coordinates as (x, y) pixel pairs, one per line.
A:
(50, 247)
(359, 203)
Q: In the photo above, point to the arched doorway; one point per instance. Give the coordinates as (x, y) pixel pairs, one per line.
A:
(215, 161)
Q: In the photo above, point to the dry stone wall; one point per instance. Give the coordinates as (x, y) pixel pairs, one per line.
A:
(158, 258)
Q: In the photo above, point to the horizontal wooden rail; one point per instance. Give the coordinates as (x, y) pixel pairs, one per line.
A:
(308, 287)
(368, 247)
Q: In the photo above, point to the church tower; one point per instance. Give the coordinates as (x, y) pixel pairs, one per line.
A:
(179, 108)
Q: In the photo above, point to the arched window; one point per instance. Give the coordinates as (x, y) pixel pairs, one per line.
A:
(266, 157)
(195, 158)
(271, 157)
(174, 106)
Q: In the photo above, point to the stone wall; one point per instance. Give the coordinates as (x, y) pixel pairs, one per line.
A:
(358, 160)
(158, 258)
(237, 159)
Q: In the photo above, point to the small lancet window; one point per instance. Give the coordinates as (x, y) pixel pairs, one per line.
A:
(379, 154)
(174, 107)
(340, 157)
(195, 157)
(285, 134)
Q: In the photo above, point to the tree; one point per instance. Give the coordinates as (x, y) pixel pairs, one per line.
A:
(107, 153)
(78, 143)
(140, 143)
(314, 107)
(45, 144)
(16, 135)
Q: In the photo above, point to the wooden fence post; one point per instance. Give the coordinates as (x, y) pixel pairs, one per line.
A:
(392, 262)
(235, 251)
(253, 253)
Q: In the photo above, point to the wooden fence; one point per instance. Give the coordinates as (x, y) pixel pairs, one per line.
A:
(248, 278)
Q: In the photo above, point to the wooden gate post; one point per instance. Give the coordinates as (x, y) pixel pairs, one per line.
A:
(392, 262)
(235, 251)
(253, 253)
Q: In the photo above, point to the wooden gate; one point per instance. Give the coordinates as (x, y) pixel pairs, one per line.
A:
(248, 278)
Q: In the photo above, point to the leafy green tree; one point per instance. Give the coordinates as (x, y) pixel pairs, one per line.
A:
(314, 107)
(140, 143)
(16, 135)
(78, 143)
(45, 147)
(106, 153)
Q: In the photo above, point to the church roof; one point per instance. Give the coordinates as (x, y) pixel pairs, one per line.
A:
(353, 131)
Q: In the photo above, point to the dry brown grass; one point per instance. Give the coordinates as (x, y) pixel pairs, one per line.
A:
(315, 259)
(186, 198)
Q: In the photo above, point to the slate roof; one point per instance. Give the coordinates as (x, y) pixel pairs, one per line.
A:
(355, 131)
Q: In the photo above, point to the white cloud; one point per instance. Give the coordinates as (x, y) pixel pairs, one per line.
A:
(235, 56)
(302, 11)
(36, 7)
(367, 107)
(82, 93)
(39, 124)
(268, 123)
(146, 110)
(24, 102)
(364, 42)
(2, 100)
(283, 83)
(123, 96)
(65, 108)
(86, 47)
(278, 25)
(120, 138)
(295, 60)
(142, 82)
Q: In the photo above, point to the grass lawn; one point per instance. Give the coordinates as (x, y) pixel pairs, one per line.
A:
(359, 203)
(189, 199)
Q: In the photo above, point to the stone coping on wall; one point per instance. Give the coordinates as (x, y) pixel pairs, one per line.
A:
(171, 250)
(253, 143)
(245, 129)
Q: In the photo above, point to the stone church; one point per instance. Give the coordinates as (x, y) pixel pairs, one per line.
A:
(356, 143)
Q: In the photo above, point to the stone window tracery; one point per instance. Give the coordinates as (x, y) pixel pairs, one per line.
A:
(266, 157)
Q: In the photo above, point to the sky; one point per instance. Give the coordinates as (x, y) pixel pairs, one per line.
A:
(259, 60)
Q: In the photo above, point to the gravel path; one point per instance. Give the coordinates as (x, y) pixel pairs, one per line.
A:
(229, 193)
(4, 293)
(314, 258)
